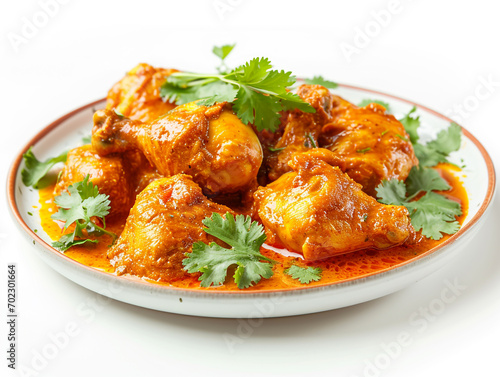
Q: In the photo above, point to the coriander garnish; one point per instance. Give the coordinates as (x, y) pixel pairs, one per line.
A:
(245, 238)
(258, 93)
(78, 206)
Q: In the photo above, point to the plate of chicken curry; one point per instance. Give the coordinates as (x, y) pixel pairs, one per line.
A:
(244, 193)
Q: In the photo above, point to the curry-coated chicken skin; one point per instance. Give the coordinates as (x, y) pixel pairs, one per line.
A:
(163, 224)
(211, 144)
(318, 211)
(112, 174)
(302, 130)
(368, 144)
(137, 95)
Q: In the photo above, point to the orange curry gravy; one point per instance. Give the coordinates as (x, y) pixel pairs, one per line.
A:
(335, 269)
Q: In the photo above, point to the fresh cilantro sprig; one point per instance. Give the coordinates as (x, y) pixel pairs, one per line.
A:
(432, 213)
(35, 170)
(437, 150)
(411, 125)
(258, 92)
(423, 179)
(304, 274)
(223, 51)
(78, 206)
(319, 80)
(367, 101)
(245, 238)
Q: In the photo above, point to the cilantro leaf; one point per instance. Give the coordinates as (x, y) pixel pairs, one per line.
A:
(67, 241)
(35, 170)
(245, 238)
(392, 192)
(292, 101)
(266, 117)
(437, 150)
(433, 213)
(425, 179)
(428, 156)
(319, 80)
(411, 125)
(262, 90)
(250, 272)
(253, 72)
(268, 81)
(216, 92)
(367, 101)
(263, 94)
(448, 140)
(304, 274)
(258, 93)
(179, 94)
(223, 51)
(77, 206)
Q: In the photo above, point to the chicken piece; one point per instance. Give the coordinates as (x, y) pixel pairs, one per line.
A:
(318, 211)
(302, 130)
(209, 143)
(137, 95)
(120, 177)
(162, 226)
(368, 144)
(111, 174)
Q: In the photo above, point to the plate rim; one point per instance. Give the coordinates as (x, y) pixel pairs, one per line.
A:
(11, 199)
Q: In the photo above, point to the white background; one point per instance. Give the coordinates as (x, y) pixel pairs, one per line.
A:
(436, 53)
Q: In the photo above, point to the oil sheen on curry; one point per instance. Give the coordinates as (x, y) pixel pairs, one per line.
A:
(311, 185)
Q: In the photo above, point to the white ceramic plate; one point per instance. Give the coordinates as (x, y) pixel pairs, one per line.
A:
(67, 132)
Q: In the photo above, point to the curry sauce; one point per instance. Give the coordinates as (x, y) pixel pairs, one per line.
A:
(334, 269)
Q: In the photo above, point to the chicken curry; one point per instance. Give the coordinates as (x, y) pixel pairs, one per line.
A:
(311, 186)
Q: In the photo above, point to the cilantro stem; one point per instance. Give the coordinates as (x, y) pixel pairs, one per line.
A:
(246, 86)
(195, 75)
(208, 78)
(411, 197)
(111, 234)
(267, 259)
(201, 82)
